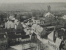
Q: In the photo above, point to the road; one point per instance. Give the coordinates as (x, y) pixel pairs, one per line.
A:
(21, 47)
(11, 49)
(25, 46)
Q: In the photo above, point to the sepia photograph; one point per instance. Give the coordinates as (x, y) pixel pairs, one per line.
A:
(32, 24)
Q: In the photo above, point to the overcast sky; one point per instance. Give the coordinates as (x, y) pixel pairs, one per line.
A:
(30, 1)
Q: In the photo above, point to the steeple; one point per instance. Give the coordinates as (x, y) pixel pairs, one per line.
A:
(49, 8)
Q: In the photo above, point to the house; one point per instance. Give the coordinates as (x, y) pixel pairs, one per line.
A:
(35, 20)
(51, 37)
(49, 15)
(42, 21)
(63, 17)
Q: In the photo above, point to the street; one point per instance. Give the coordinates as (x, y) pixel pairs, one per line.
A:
(21, 46)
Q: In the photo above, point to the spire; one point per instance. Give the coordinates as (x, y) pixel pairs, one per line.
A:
(49, 8)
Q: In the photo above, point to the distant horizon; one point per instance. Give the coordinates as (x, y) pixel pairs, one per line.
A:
(55, 6)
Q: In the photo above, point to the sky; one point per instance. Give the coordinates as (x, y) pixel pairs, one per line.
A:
(30, 1)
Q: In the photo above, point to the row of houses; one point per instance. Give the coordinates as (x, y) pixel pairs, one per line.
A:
(41, 20)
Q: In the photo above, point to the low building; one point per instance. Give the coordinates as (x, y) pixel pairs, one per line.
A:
(64, 17)
(48, 15)
(35, 20)
(42, 21)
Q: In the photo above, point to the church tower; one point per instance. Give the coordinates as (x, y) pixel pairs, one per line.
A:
(49, 8)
